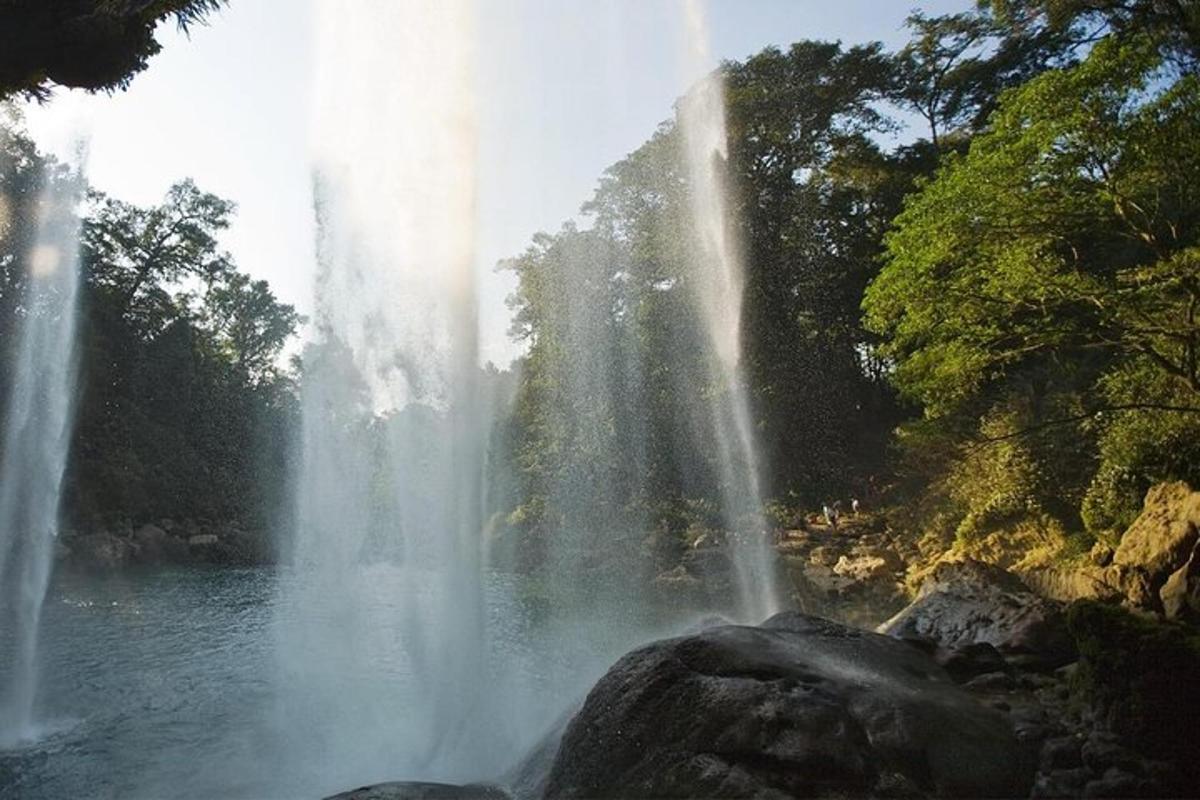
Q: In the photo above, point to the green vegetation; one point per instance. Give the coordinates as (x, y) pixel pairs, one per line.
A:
(89, 44)
(992, 325)
(972, 288)
(183, 410)
(1140, 675)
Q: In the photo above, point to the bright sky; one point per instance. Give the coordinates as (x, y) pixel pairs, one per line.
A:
(570, 86)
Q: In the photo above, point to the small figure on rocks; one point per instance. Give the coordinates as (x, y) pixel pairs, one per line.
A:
(831, 515)
(854, 505)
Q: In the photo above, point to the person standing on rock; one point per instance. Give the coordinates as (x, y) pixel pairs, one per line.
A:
(831, 515)
(854, 505)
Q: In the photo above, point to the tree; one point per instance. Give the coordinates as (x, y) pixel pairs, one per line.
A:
(1058, 254)
(1173, 26)
(89, 44)
(815, 194)
(249, 324)
(135, 254)
(954, 68)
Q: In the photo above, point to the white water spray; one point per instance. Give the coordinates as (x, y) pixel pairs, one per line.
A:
(36, 440)
(718, 284)
(382, 639)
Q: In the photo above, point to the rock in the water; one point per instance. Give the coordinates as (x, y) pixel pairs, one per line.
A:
(415, 790)
(801, 707)
(966, 603)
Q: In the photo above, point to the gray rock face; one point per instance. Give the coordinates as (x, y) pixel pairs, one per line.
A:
(801, 707)
(415, 790)
(969, 603)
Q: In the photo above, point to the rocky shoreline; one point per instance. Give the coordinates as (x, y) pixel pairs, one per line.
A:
(1067, 681)
(983, 684)
(164, 543)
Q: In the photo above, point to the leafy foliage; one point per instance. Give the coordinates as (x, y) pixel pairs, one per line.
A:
(184, 411)
(88, 44)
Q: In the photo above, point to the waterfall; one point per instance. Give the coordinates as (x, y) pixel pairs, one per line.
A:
(386, 547)
(718, 284)
(36, 439)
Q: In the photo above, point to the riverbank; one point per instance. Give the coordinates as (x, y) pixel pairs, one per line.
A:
(946, 676)
(164, 543)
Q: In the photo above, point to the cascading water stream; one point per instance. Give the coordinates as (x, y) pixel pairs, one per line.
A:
(386, 546)
(718, 283)
(36, 439)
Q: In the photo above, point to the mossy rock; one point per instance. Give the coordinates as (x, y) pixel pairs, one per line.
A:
(1141, 677)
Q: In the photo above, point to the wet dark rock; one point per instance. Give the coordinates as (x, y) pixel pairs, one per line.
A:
(1102, 752)
(991, 682)
(415, 790)
(798, 707)
(1061, 783)
(966, 663)
(1062, 752)
(1138, 677)
(1116, 783)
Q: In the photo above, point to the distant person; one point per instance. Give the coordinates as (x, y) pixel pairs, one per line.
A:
(831, 515)
(854, 505)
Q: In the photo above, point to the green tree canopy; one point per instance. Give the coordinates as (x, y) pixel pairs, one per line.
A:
(88, 44)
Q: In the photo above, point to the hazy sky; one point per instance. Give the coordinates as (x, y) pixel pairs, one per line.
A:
(568, 88)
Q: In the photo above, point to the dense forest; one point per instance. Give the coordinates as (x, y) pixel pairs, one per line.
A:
(972, 287)
(184, 409)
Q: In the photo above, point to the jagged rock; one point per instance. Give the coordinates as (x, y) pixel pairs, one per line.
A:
(1062, 752)
(990, 682)
(416, 790)
(1117, 783)
(1163, 535)
(967, 662)
(964, 603)
(800, 707)
(863, 567)
(1180, 595)
(1061, 783)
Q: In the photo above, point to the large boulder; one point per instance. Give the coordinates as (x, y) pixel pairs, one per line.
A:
(800, 707)
(1162, 537)
(1152, 569)
(964, 604)
(416, 790)
(1157, 550)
